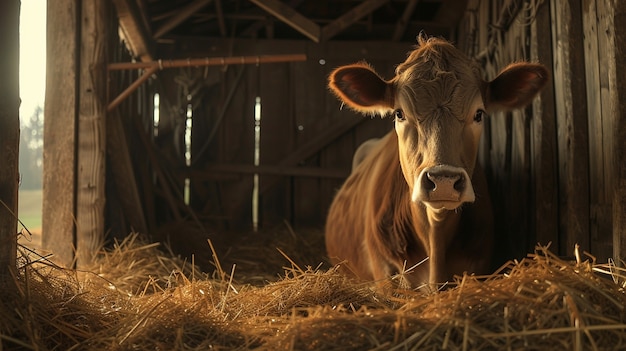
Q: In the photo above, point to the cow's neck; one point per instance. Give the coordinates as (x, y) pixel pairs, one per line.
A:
(437, 230)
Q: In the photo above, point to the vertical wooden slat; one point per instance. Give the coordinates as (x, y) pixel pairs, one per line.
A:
(598, 26)
(90, 185)
(571, 108)
(59, 157)
(277, 131)
(9, 134)
(544, 180)
(618, 111)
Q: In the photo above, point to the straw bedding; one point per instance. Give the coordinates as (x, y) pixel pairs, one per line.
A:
(137, 297)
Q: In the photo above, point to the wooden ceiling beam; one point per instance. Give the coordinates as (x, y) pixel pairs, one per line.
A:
(180, 17)
(404, 20)
(291, 17)
(134, 29)
(450, 12)
(349, 18)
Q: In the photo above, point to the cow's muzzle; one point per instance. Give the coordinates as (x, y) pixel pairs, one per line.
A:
(443, 187)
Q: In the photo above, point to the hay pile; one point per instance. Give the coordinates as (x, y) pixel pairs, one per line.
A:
(138, 298)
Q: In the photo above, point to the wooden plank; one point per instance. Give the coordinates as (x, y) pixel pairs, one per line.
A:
(210, 171)
(180, 17)
(135, 30)
(404, 20)
(597, 26)
(349, 18)
(277, 140)
(543, 147)
(291, 17)
(90, 186)
(603, 246)
(123, 173)
(59, 158)
(571, 107)
(315, 145)
(618, 91)
(9, 136)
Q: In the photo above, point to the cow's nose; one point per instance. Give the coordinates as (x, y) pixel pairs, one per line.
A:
(444, 183)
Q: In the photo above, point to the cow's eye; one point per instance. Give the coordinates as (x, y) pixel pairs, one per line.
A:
(478, 117)
(399, 115)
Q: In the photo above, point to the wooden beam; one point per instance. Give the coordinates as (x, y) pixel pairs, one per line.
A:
(121, 167)
(209, 171)
(181, 15)
(220, 18)
(91, 137)
(619, 130)
(9, 136)
(59, 156)
(153, 66)
(571, 112)
(346, 20)
(291, 17)
(404, 20)
(450, 12)
(134, 29)
(312, 147)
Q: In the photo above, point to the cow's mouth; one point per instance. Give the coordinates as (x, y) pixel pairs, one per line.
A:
(440, 206)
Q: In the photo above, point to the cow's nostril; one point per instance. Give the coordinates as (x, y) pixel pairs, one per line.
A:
(459, 185)
(427, 183)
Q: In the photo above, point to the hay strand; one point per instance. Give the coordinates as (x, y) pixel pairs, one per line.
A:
(137, 297)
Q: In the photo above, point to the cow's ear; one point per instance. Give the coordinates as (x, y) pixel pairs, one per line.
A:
(361, 88)
(516, 86)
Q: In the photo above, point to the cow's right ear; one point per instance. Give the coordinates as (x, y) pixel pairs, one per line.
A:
(361, 88)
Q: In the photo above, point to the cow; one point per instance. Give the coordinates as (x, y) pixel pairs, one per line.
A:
(412, 199)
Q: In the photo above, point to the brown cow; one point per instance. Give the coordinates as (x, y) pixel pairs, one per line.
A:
(412, 197)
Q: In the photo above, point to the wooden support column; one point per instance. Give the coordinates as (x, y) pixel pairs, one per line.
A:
(59, 156)
(90, 185)
(618, 85)
(9, 133)
(74, 132)
(572, 130)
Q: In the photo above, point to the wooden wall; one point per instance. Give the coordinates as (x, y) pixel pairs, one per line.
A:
(306, 143)
(552, 166)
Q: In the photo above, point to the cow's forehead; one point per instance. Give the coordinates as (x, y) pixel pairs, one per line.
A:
(437, 78)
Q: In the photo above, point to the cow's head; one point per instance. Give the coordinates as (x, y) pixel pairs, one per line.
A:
(439, 102)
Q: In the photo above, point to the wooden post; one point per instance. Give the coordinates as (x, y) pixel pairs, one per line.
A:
(572, 129)
(9, 133)
(59, 156)
(90, 186)
(74, 132)
(619, 129)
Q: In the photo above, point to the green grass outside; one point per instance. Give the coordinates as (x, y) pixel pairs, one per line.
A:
(29, 208)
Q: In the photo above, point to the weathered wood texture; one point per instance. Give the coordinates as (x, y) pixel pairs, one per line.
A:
(90, 186)
(59, 157)
(306, 141)
(553, 166)
(618, 132)
(9, 134)
(74, 132)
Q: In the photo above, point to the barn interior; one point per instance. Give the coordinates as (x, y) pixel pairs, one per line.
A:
(205, 119)
(207, 125)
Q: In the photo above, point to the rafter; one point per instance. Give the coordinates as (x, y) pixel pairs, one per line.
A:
(180, 17)
(291, 17)
(365, 8)
(404, 20)
(135, 32)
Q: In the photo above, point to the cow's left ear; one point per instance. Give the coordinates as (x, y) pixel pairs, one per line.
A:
(516, 86)
(361, 88)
